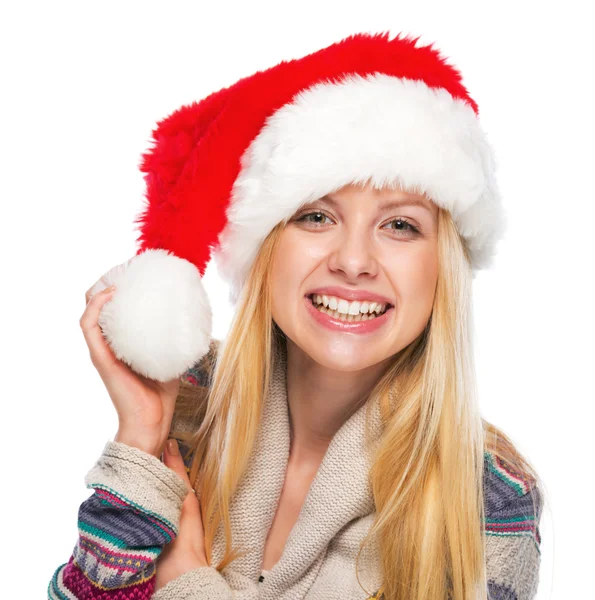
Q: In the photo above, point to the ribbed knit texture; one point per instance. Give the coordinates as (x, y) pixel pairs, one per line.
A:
(137, 500)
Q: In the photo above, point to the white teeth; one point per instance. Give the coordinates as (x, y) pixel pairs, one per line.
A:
(344, 317)
(354, 308)
(345, 307)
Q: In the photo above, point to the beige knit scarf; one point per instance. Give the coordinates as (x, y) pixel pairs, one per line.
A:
(318, 560)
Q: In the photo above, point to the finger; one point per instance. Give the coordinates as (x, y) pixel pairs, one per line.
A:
(88, 293)
(101, 353)
(173, 459)
(191, 530)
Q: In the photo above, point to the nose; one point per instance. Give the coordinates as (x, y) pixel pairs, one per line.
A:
(354, 255)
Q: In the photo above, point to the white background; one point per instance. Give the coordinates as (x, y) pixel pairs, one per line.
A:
(83, 84)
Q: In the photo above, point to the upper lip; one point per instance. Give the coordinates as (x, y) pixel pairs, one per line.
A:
(341, 292)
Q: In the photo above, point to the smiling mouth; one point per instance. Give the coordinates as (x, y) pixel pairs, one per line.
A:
(364, 311)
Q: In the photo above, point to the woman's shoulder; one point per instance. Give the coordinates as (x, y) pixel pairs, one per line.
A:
(506, 481)
(513, 500)
(201, 373)
(191, 403)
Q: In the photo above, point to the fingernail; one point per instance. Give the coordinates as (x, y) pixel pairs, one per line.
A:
(109, 289)
(172, 447)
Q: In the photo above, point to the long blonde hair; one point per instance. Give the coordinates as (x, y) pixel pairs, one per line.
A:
(427, 471)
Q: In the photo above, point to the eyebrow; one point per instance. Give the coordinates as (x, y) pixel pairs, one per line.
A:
(389, 204)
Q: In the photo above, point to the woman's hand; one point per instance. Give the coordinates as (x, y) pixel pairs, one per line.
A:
(145, 407)
(187, 551)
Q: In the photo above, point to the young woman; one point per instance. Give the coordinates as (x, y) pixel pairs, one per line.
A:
(333, 440)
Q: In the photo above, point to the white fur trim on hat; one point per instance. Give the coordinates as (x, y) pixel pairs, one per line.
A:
(380, 128)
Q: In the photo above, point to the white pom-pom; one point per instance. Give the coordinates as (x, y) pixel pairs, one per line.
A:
(159, 319)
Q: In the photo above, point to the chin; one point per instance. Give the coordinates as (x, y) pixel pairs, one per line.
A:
(340, 356)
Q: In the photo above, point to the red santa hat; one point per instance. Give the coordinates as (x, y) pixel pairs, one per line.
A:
(223, 171)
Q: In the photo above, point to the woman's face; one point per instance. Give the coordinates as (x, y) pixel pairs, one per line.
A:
(352, 280)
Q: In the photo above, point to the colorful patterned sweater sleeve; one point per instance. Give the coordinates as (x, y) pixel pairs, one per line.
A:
(513, 506)
(133, 513)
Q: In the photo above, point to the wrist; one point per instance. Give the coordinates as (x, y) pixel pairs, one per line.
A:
(150, 447)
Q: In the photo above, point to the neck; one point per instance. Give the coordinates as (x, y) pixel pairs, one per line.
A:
(320, 400)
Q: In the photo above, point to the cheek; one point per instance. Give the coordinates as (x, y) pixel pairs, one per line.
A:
(414, 276)
(294, 260)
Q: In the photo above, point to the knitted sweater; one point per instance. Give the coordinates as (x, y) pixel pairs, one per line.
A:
(136, 504)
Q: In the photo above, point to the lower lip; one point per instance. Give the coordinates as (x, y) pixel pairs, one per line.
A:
(347, 326)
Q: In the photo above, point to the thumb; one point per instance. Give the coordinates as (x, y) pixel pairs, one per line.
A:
(173, 459)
